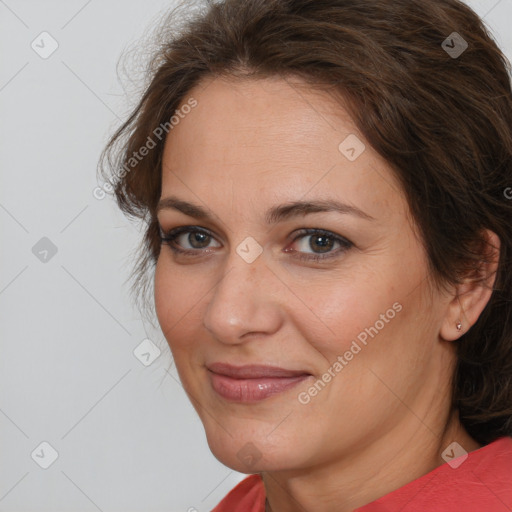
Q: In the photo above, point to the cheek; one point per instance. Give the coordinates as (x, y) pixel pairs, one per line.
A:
(346, 309)
(370, 319)
(179, 319)
(380, 345)
(175, 298)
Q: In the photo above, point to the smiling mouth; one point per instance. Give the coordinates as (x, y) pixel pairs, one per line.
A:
(252, 383)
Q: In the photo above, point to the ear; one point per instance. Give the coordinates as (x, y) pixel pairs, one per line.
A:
(471, 296)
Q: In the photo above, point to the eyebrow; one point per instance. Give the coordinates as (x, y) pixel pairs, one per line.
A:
(274, 215)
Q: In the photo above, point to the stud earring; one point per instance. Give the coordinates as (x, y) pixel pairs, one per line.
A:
(458, 325)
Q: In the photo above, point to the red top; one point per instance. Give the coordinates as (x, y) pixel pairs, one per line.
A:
(481, 483)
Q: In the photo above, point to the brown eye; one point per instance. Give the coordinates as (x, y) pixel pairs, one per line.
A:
(187, 239)
(316, 244)
(322, 242)
(197, 239)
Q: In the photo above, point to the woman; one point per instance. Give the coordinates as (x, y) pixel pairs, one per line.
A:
(324, 186)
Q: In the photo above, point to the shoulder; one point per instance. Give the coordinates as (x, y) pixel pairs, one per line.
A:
(247, 496)
(474, 481)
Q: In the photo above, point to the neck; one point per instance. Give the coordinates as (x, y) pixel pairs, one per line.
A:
(352, 480)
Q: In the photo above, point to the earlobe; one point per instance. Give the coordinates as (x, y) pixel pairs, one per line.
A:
(472, 295)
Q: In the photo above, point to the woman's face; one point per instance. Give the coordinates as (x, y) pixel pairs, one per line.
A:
(292, 361)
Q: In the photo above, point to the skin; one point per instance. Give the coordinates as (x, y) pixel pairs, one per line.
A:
(386, 417)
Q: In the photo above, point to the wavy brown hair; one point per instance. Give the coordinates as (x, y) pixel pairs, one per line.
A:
(442, 122)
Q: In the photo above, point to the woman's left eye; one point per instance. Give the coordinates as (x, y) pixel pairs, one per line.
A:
(322, 240)
(319, 241)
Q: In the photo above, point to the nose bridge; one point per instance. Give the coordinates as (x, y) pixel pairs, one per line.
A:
(241, 301)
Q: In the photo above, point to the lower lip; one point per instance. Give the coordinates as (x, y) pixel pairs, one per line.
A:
(252, 390)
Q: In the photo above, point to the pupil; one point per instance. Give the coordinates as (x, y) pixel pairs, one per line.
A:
(197, 238)
(324, 242)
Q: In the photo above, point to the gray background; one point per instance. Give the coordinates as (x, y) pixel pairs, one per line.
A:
(126, 436)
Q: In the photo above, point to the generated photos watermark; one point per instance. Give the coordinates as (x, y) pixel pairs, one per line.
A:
(159, 133)
(305, 397)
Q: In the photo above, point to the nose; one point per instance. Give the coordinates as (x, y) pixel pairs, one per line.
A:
(244, 302)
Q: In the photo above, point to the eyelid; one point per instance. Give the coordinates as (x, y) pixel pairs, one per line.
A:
(319, 231)
(169, 236)
(344, 244)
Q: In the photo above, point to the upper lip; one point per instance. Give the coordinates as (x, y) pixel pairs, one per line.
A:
(253, 371)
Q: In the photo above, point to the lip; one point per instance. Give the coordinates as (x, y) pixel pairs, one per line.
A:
(252, 383)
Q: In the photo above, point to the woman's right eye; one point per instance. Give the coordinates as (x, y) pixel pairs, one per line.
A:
(196, 238)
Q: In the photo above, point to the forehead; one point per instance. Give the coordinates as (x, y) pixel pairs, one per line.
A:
(272, 137)
(273, 113)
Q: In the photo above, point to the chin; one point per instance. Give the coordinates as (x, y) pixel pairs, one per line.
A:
(255, 452)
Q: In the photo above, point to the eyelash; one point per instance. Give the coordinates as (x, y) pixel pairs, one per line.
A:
(169, 238)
